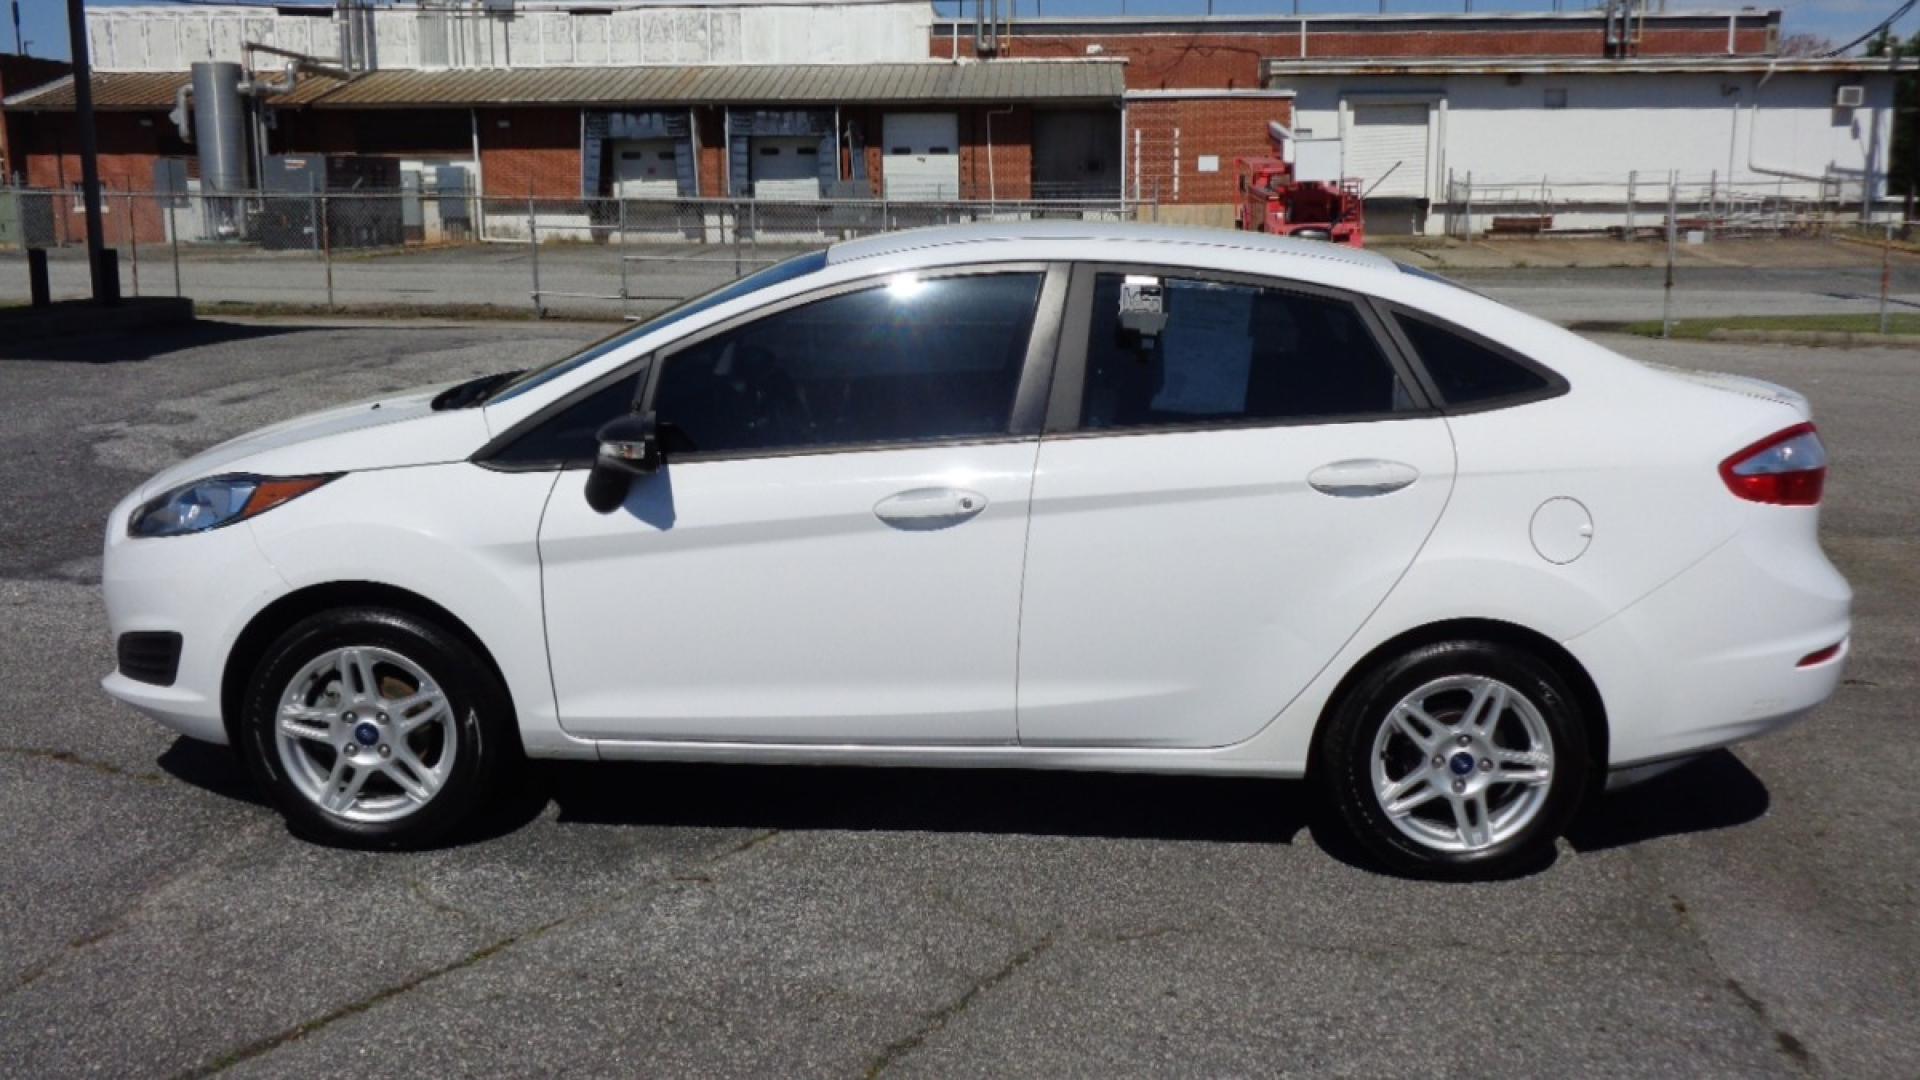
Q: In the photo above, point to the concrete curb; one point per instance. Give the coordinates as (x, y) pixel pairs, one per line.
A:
(1845, 339)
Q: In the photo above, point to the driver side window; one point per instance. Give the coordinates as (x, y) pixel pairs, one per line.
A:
(914, 360)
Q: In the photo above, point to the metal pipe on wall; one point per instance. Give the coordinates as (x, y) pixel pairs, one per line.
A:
(992, 187)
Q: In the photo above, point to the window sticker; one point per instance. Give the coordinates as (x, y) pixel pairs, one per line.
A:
(1206, 350)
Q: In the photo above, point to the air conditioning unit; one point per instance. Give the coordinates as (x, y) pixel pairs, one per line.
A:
(1851, 96)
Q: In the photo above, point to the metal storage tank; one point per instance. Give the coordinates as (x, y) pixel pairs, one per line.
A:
(219, 126)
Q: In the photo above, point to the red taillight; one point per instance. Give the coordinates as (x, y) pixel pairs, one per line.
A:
(1787, 468)
(1819, 656)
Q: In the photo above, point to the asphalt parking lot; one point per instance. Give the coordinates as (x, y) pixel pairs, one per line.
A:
(1754, 914)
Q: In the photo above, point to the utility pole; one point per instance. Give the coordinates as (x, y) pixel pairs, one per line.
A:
(19, 42)
(104, 291)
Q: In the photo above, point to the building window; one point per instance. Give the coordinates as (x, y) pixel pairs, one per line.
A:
(1556, 98)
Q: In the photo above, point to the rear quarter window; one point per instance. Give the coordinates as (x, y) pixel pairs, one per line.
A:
(1468, 371)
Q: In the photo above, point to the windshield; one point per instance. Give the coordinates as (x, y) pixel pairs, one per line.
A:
(798, 266)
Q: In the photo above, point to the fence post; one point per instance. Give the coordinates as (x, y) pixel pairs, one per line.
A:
(326, 244)
(533, 249)
(1666, 296)
(133, 239)
(1633, 178)
(173, 241)
(1886, 275)
(624, 306)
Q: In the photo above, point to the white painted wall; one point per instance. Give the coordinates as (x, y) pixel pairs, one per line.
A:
(1705, 126)
(169, 38)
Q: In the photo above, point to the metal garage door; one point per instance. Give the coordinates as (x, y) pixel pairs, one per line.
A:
(786, 167)
(922, 158)
(1389, 141)
(1076, 153)
(645, 169)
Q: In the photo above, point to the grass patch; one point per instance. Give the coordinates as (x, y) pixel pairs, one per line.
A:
(1701, 329)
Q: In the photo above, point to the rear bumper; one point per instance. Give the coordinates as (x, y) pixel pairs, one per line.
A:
(1715, 655)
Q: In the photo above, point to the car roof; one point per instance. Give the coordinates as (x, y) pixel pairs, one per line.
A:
(1093, 233)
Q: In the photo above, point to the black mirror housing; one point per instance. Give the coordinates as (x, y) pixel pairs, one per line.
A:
(629, 447)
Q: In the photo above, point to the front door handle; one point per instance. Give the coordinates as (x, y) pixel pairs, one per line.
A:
(929, 508)
(1359, 478)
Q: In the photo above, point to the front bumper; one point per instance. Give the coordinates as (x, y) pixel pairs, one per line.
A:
(204, 587)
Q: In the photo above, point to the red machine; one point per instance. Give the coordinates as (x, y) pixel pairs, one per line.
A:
(1272, 201)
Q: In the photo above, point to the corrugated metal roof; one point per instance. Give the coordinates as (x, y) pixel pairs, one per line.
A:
(931, 81)
(747, 84)
(111, 90)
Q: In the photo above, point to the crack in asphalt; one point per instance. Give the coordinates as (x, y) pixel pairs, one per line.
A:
(932, 1022)
(67, 757)
(288, 1036)
(120, 920)
(1785, 1042)
(445, 907)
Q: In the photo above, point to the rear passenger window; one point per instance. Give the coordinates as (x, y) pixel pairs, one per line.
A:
(1172, 351)
(1465, 371)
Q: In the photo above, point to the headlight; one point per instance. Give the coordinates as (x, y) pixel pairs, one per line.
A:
(216, 501)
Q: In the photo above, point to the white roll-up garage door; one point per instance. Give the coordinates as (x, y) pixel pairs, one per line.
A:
(1390, 142)
(786, 166)
(644, 169)
(922, 157)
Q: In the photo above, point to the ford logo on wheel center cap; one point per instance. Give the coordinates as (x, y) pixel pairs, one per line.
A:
(367, 735)
(1461, 764)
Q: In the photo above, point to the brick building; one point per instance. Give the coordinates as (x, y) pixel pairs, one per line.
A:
(22, 73)
(795, 100)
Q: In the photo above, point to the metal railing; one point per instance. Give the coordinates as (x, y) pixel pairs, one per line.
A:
(458, 251)
(1636, 204)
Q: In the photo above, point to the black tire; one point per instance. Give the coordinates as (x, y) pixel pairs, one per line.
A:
(489, 752)
(1344, 758)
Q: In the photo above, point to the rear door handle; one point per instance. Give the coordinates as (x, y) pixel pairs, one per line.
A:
(929, 508)
(1359, 478)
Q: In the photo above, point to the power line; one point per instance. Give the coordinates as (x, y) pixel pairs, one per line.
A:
(1884, 24)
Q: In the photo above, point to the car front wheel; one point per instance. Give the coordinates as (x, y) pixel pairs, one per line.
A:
(1460, 759)
(376, 728)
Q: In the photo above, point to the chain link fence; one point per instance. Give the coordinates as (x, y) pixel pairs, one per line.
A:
(459, 253)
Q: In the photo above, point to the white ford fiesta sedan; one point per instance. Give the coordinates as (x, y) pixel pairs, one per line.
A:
(1050, 495)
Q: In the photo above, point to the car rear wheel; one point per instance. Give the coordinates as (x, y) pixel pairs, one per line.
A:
(1457, 759)
(376, 728)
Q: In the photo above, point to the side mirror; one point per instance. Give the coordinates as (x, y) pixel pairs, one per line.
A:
(629, 447)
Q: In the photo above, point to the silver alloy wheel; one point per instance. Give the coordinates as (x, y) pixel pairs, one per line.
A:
(1462, 763)
(366, 734)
